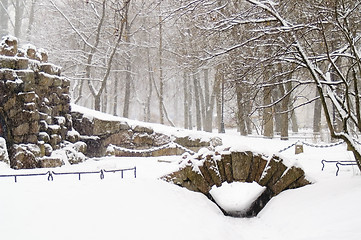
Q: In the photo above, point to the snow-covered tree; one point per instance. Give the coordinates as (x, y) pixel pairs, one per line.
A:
(323, 38)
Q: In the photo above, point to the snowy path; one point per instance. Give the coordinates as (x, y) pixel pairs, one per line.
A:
(143, 208)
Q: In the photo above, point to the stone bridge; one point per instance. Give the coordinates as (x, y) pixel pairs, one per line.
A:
(203, 171)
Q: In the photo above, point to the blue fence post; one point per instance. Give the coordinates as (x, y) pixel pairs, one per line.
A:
(50, 177)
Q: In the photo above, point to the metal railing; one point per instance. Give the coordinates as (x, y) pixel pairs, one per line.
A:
(51, 174)
(344, 163)
(338, 164)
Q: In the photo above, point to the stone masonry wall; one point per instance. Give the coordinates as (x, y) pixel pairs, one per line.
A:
(100, 133)
(34, 104)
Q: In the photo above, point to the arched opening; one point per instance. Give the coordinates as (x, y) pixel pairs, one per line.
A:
(257, 178)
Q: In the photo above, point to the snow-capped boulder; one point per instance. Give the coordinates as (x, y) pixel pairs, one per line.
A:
(9, 46)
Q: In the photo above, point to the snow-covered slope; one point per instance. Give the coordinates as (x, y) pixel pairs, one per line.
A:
(148, 208)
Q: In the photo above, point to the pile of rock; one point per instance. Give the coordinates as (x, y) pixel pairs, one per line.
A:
(34, 105)
(101, 132)
(206, 169)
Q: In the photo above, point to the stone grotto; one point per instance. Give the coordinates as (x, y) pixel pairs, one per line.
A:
(38, 127)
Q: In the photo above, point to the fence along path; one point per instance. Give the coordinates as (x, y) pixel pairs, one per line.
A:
(338, 163)
(50, 174)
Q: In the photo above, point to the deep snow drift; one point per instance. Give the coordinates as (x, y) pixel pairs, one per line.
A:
(148, 208)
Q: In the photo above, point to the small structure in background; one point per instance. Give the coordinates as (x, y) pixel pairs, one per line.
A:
(299, 148)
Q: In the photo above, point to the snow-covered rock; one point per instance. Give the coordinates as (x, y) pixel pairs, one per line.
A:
(4, 157)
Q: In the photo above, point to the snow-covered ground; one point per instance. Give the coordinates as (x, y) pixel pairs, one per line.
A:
(149, 208)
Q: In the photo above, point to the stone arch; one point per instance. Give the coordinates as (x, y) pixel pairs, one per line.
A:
(203, 171)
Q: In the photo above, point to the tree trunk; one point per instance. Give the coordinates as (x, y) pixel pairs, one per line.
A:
(19, 12)
(284, 115)
(208, 127)
(241, 111)
(163, 106)
(105, 100)
(115, 95)
(206, 118)
(267, 113)
(248, 119)
(190, 103)
(149, 97)
(128, 71)
(294, 121)
(202, 102)
(219, 80)
(31, 20)
(197, 102)
(150, 87)
(292, 114)
(186, 104)
(4, 18)
(277, 94)
(317, 117)
(97, 100)
(161, 80)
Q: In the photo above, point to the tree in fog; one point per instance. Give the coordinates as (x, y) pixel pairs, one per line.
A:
(4, 16)
(96, 35)
(201, 78)
(14, 14)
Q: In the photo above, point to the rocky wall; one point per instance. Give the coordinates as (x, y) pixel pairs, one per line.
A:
(34, 104)
(100, 133)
